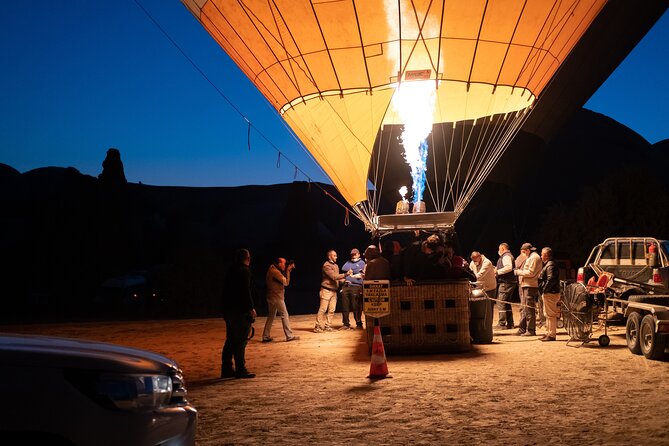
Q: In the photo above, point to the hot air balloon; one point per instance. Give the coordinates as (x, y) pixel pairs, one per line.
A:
(352, 77)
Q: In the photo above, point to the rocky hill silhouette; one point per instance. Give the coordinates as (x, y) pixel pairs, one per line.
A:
(65, 234)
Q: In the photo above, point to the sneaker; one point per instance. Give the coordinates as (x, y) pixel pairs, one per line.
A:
(546, 338)
(318, 330)
(529, 333)
(499, 327)
(293, 338)
(328, 329)
(267, 339)
(359, 327)
(344, 327)
(520, 333)
(245, 374)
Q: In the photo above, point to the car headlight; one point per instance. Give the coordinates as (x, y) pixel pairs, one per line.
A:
(136, 392)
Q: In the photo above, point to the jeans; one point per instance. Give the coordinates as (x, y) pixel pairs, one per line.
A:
(528, 313)
(351, 300)
(277, 306)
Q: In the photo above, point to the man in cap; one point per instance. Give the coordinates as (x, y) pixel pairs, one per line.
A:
(351, 295)
(528, 279)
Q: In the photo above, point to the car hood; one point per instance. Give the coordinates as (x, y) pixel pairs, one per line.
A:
(47, 351)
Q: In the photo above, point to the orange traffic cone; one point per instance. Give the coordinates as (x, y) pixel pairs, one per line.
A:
(378, 368)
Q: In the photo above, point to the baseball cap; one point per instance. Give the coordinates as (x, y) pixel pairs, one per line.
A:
(528, 246)
(355, 251)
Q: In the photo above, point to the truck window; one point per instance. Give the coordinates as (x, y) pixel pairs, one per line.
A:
(608, 256)
(624, 252)
(639, 253)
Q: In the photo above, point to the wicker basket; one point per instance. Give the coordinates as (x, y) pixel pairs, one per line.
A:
(425, 318)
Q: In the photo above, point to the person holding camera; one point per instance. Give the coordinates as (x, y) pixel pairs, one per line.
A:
(277, 279)
(239, 313)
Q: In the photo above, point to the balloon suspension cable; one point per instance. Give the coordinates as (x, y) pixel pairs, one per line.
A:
(248, 135)
(236, 109)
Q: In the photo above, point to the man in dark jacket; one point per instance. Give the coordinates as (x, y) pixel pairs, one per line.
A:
(239, 313)
(507, 283)
(378, 267)
(549, 287)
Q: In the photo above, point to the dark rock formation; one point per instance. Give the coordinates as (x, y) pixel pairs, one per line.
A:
(63, 233)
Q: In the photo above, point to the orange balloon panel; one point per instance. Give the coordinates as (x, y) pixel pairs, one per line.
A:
(331, 67)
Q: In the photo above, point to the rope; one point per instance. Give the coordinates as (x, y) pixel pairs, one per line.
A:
(237, 110)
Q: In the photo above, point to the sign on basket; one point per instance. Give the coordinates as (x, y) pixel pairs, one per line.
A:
(376, 298)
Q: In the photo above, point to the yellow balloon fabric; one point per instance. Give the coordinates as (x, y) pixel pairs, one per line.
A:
(331, 67)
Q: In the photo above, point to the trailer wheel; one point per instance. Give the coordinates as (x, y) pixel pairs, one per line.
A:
(652, 344)
(632, 333)
(604, 340)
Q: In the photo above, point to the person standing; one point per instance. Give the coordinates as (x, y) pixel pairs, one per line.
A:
(378, 267)
(485, 275)
(391, 251)
(549, 287)
(239, 313)
(507, 283)
(351, 294)
(277, 279)
(528, 281)
(330, 280)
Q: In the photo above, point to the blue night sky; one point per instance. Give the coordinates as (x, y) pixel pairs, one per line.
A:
(80, 76)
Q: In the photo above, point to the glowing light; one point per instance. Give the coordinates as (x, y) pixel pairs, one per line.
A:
(402, 206)
(414, 102)
(403, 192)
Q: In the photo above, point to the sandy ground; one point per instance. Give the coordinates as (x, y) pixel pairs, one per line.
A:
(515, 391)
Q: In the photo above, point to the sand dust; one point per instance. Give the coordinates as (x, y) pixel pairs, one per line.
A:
(515, 391)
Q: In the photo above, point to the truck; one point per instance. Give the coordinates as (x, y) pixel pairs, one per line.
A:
(633, 274)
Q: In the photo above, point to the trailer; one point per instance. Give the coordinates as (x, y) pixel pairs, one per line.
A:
(647, 327)
(630, 277)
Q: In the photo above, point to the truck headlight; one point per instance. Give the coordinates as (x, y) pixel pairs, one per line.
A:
(136, 392)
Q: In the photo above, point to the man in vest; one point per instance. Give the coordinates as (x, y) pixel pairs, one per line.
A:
(506, 287)
(528, 278)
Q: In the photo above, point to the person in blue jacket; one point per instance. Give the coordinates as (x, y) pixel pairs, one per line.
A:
(351, 295)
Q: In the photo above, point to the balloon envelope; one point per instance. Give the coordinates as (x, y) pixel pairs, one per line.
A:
(331, 68)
